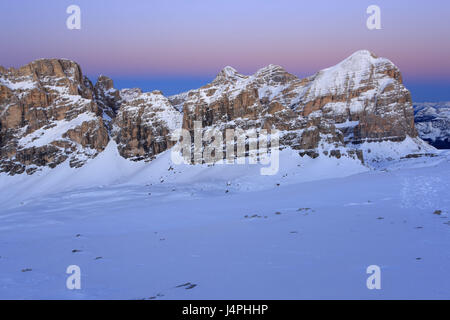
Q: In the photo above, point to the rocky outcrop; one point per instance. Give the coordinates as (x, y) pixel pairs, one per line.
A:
(50, 113)
(360, 99)
(143, 124)
(107, 97)
(47, 116)
(433, 123)
(365, 96)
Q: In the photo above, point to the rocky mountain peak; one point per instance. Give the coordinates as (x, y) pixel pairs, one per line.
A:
(53, 68)
(228, 74)
(274, 73)
(50, 112)
(47, 116)
(359, 99)
(46, 72)
(104, 83)
(362, 55)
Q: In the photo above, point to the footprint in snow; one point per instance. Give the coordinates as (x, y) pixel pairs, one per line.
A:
(187, 286)
(252, 216)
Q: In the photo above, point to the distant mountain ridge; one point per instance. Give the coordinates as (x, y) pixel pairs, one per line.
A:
(433, 123)
(50, 113)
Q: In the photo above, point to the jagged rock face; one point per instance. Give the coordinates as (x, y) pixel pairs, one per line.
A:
(235, 99)
(50, 113)
(140, 123)
(144, 123)
(47, 115)
(433, 123)
(360, 99)
(364, 96)
(107, 98)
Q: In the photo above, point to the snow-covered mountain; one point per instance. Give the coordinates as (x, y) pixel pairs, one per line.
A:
(50, 113)
(143, 124)
(362, 99)
(88, 179)
(433, 123)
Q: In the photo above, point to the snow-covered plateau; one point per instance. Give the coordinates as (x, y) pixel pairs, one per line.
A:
(156, 230)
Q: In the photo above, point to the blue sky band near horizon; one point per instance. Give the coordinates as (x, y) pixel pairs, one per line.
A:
(175, 45)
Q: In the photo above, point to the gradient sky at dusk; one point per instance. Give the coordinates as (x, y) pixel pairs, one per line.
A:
(176, 45)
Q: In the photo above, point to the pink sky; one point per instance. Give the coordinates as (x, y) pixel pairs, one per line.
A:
(198, 37)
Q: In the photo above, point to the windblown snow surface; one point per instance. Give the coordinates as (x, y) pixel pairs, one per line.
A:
(145, 230)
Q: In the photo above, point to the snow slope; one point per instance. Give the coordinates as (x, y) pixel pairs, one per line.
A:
(109, 168)
(140, 230)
